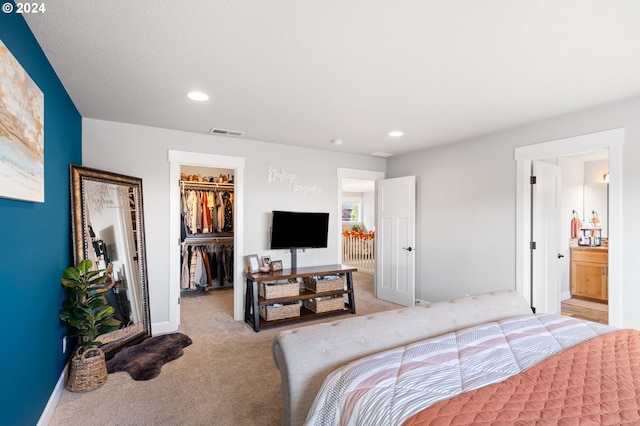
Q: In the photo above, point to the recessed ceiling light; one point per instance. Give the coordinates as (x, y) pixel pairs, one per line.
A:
(336, 141)
(198, 96)
(396, 133)
(381, 154)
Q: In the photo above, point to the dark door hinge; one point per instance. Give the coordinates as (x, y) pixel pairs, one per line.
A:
(532, 245)
(178, 300)
(532, 180)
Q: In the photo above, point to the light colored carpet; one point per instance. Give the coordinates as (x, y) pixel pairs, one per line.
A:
(226, 377)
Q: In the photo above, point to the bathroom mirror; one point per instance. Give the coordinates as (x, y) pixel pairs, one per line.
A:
(596, 200)
(108, 228)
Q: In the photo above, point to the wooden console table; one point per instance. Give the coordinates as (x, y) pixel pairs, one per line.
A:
(253, 301)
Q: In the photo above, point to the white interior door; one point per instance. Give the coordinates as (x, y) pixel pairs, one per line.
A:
(545, 234)
(395, 240)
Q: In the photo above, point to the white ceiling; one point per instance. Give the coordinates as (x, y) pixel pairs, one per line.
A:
(304, 72)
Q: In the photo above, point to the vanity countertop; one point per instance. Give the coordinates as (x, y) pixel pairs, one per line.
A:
(604, 246)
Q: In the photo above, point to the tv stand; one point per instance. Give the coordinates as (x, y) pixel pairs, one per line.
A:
(253, 301)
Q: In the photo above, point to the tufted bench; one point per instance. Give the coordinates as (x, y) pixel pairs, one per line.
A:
(306, 355)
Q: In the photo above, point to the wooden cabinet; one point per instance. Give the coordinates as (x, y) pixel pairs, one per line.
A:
(255, 303)
(589, 273)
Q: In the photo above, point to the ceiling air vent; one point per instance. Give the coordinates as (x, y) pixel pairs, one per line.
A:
(225, 132)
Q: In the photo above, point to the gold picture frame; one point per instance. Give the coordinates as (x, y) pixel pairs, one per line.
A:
(276, 265)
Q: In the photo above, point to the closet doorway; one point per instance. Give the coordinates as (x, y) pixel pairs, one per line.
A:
(223, 176)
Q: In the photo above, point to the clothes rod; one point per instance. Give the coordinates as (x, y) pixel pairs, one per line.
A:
(206, 185)
(205, 240)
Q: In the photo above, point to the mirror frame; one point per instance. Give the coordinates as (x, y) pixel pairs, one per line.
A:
(77, 176)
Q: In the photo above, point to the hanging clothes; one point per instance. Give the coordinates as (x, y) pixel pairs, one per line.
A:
(207, 211)
(206, 266)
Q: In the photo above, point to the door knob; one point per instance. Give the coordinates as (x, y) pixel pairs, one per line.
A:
(407, 248)
(560, 256)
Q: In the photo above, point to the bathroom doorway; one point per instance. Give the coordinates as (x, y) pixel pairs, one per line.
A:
(610, 140)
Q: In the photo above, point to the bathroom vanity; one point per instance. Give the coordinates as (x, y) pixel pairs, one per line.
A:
(589, 272)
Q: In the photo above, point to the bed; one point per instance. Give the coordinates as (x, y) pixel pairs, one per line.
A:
(472, 360)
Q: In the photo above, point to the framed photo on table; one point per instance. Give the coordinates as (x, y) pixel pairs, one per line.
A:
(253, 263)
(276, 265)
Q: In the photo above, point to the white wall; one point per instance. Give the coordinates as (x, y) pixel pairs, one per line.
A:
(465, 228)
(367, 206)
(369, 210)
(594, 171)
(142, 152)
(467, 201)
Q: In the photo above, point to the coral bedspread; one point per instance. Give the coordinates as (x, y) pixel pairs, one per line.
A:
(391, 387)
(594, 383)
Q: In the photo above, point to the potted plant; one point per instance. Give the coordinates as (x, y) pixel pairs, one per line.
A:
(87, 310)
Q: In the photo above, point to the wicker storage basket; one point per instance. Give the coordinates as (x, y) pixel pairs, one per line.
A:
(273, 289)
(325, 304)
(88, 370)
(275, 312)
(336, 282)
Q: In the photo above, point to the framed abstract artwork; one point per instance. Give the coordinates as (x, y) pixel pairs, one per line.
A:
(21, 132)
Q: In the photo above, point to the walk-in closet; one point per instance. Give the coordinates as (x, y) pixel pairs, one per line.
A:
(206, 229)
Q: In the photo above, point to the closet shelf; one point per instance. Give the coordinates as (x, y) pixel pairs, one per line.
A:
(206, 185)
(208, 239)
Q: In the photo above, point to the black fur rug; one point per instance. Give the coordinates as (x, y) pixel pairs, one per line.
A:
(144, 360)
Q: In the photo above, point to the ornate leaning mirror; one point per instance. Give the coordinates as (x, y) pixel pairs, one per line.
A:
(108, 228)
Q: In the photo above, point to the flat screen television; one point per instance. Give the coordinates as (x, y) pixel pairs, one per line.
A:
(297, 230)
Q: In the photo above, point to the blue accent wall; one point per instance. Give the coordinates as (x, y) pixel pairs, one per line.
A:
(35, 247)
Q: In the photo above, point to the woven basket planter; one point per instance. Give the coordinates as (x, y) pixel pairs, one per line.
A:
(88, 370)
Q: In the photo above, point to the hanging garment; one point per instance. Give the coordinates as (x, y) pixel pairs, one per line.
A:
(206, 219)
(221, 267)
(200, 275)
(205, 264)
(220, 205)
(184, 275)
(193, 264)
(228, 214)
(213, 264)
(229, 263)
(211, 204)
(192, 211)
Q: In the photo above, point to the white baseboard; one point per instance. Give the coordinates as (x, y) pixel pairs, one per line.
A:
(45, 418)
